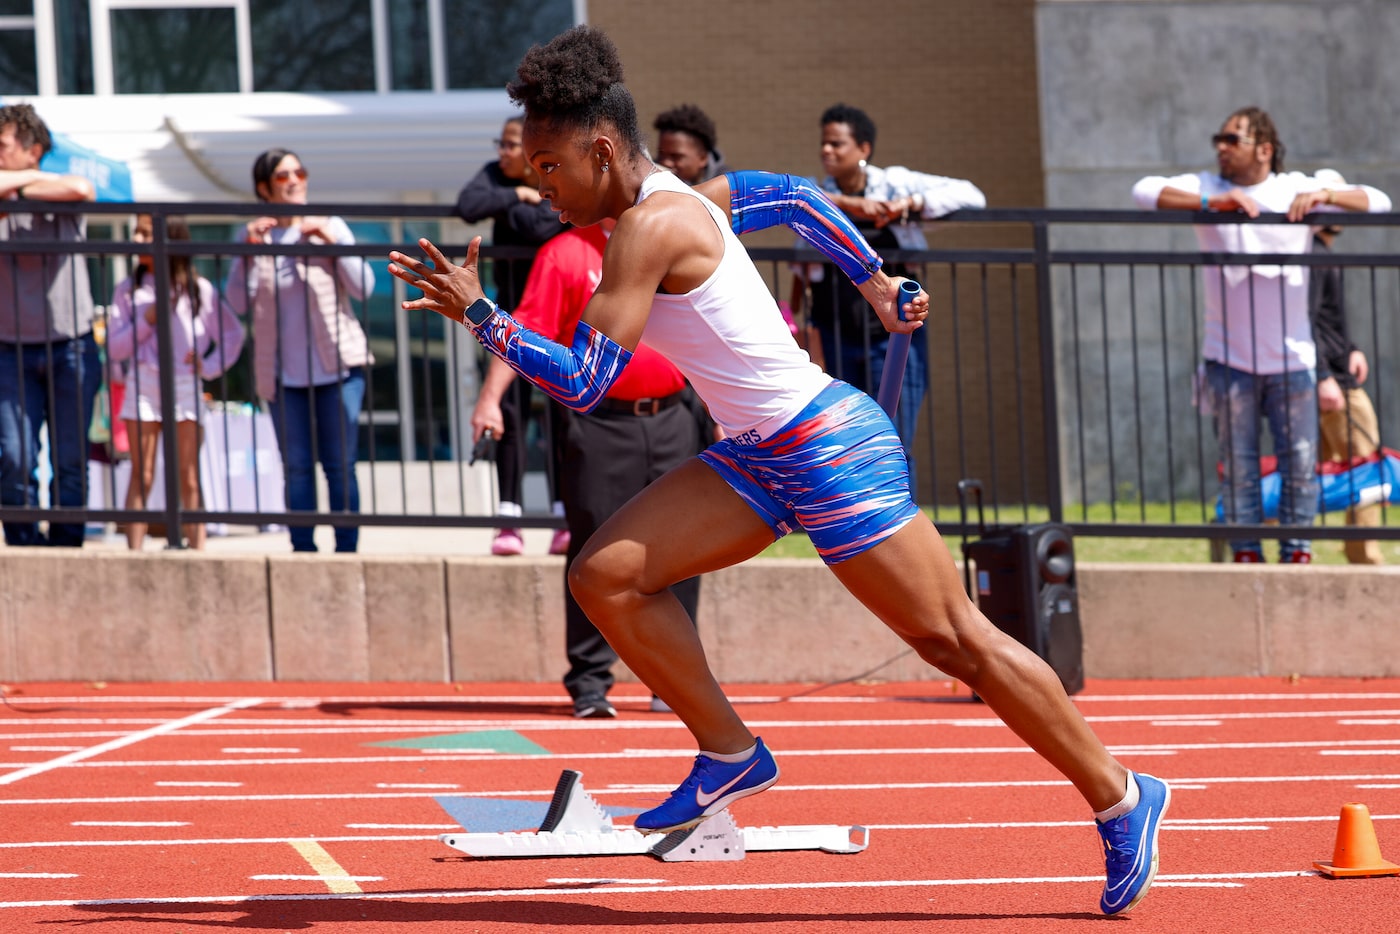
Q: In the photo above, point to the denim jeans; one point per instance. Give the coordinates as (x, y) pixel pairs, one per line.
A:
(1288, 401)
(321, 423)
(67, 374)
(852, 368)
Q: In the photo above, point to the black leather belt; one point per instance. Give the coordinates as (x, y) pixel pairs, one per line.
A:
(639, 407)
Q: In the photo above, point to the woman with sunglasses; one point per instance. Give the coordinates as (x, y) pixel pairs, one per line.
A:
(207, 339)
(309, 350)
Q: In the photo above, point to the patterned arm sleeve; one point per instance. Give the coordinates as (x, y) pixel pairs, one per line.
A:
(578, 376)
(759, 200)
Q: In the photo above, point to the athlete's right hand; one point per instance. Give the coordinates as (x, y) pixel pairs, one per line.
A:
(447, 288)
(486, 416)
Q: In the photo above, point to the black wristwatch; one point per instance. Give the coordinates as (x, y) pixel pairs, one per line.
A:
(478, 311)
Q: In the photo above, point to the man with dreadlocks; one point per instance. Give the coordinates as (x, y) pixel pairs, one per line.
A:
(800, 448)
(1260, 358)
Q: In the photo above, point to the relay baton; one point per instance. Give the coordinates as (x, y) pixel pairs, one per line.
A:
(897, 353)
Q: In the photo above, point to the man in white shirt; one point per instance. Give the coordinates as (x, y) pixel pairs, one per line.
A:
(1258, 347)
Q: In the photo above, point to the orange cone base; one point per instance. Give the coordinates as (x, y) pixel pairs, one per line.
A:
(1382, 868)
(1357, 853)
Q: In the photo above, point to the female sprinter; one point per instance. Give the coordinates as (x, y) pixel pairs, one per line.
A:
(801, 449)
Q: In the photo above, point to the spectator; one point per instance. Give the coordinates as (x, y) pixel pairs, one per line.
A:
(309, 350)
(1347, 426)
(206, 340)
(642, 429)
(886, 206)
(507, 192)
(49, 362)
(686, 144)
(1258, 347)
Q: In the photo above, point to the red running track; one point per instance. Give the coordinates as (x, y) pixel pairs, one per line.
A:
(279, 807)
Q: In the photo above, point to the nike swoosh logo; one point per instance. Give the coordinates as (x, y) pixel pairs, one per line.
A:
(706, 798)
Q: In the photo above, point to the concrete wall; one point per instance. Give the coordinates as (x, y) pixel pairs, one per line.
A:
(199, 617)
(1130, 88)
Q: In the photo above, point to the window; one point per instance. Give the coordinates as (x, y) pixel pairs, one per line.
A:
(175, 51)
(312, 45)
(18, 65)
(485, 39)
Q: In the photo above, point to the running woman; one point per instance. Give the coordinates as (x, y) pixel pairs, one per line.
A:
(801, 449)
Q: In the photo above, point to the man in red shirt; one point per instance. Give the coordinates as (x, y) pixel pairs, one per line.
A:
(643, 428)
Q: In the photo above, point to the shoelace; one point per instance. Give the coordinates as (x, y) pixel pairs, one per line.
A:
(1118, 857)
(692, 781)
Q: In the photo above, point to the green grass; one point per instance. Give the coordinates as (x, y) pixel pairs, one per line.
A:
(1114, 549)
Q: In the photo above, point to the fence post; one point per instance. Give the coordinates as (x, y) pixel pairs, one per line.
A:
(1049, 398)
(170, 449)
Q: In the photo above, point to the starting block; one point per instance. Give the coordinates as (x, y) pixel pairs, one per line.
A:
(577, 825)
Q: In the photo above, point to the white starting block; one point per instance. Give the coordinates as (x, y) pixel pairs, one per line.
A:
(577, 825)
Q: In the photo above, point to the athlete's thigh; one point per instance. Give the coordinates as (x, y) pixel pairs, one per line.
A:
(910, 582)
(686, 523)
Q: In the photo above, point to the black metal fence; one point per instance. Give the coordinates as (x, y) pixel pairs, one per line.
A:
(1062, 349)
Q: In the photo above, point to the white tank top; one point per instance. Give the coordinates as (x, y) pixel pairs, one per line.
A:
(729, 339)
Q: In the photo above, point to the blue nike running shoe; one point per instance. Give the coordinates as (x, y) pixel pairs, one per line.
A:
(710, 788)
(1130, 847)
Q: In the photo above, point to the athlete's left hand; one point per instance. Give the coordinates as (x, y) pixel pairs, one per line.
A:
(882, 291)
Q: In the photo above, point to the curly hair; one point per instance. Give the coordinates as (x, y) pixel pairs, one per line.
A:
(575, 82)
(862, 127)
(687, 118)
(1262, 126)
(30, 128)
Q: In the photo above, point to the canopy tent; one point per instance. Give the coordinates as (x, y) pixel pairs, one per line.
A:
(112, 178)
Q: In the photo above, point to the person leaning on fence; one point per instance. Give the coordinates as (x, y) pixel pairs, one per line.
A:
(49, 360)
(1258, 349)
(309, 349)
(206, 339)
(801, 449)
(1347, 427)
(506, 192)
(886, 206)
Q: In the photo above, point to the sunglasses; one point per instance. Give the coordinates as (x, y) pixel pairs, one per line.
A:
(1230, 139)
(507, 146)
(283, 175)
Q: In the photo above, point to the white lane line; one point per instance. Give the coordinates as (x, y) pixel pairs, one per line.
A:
(199, 784)
(1359, 752)
(606, 881)
(289, 877)
(1222, 823)
(38, 875)
(1192, 722)
(434, 786)
(403, 826)
(260, 750)
(130, 823)
(170, 726)
(327, 869)
(553, 891)
(545, 793)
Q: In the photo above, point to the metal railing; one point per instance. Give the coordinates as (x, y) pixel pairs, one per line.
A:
(1061, 352)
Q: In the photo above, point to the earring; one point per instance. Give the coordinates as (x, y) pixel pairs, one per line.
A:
(605, 166)
(862, 163)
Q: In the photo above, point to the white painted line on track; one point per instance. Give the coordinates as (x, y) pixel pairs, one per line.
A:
(606, 881)
(38, 875)
(554, 892)
(426, 786)
(130, 823)
(1191, 722)
(545, 793)
(227, 841)
(403, 826)
(1359, 752)
(289, 877)
(170, 726)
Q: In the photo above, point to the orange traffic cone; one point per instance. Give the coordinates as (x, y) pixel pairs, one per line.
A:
(1357, 853)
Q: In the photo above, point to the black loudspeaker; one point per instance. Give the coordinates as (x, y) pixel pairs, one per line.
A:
(1026, 587)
